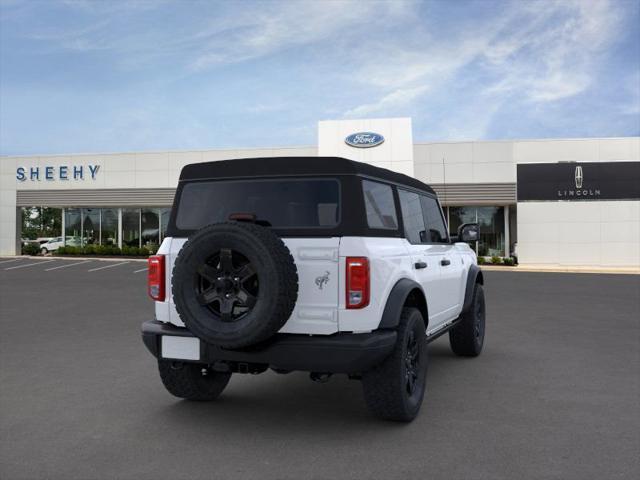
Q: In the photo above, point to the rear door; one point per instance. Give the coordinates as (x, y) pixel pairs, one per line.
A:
(316, 259)
(425, 258)
(449, 259)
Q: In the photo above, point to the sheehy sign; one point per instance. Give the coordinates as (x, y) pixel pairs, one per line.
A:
(576, 181)
(60, 172)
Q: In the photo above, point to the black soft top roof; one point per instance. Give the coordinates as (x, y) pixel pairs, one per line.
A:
(294, 166)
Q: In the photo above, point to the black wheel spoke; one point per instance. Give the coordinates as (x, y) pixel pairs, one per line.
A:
(207, 297)
(245, 272)
(246, 299)
(226, 261)
(226, 308)
(208, 272)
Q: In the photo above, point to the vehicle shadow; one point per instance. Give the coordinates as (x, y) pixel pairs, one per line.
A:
(291, 404)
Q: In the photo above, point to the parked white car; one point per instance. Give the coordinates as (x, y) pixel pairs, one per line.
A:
(55, 243)
(318, 264)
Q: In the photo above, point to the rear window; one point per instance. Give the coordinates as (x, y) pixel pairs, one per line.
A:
(283, 203)
(379, 204)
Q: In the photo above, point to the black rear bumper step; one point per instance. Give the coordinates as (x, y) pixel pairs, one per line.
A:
(338, 353)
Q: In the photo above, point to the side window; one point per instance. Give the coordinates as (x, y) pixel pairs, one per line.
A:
(436, 230)
(381, 209)
(412, 216)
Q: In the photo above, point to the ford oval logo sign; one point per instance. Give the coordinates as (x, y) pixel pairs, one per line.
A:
(364, 139)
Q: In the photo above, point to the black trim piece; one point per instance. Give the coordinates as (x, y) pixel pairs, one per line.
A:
(474, 276)
(338, 353)
(397, 300)
(442, 331)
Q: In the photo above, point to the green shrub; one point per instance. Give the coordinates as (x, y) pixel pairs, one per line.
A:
(508, 261)
(68, 250)
(31, 249)
(496, 260)
(104, 250)
(481, 261)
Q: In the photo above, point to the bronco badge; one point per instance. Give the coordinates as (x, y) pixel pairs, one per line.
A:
(322, 280)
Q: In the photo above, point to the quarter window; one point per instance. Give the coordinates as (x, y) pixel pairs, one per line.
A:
(412, 217)
(436, 230)
(380, 206)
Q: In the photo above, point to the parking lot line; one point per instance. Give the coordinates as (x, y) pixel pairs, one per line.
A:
(30, 264)
(141, 270)
(108, 266)
(65, 266)
(9, 261)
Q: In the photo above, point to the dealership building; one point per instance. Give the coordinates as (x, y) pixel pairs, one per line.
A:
(560, 202)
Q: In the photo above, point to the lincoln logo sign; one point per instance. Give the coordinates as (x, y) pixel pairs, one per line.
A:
(579, 177)
(569, 181)
(579, 191)
(364, 139)
(60, 172)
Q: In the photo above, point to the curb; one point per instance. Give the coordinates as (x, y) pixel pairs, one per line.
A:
(98, 259)
(558, 269)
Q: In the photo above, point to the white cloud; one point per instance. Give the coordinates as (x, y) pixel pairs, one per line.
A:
(534, 51)
(288, 25)
(396, 99)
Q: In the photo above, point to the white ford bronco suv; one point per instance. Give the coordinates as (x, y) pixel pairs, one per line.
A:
(319, 264)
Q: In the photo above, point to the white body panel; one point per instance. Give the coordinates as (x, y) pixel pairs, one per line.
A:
(321, 263)
(316, 310)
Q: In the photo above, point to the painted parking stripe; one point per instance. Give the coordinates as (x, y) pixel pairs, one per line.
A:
(108, 266)
(65, 266)
(30, 264)
(141, 270)
(9, 261)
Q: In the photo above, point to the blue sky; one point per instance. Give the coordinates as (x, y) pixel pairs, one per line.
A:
(99, 76)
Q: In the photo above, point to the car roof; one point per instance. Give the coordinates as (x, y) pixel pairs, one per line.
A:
(262, 167)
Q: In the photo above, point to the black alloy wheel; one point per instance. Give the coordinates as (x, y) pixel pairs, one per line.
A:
(467, 337)
(412, 363)
(227, 284)
(478, 320)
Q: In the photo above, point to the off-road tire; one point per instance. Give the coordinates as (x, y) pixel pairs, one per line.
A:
(192, 381)
(277, 278)
(467, 338)
(385, 386)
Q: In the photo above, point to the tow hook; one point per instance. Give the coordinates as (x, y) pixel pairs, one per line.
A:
(320, 377)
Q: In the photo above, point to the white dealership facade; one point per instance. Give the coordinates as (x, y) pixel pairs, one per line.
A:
(560, 202)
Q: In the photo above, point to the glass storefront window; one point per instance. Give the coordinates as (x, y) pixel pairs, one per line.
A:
(460, 215)
(109, 227)
(164, 221)
(72, 226)
(90, 226)
(491, 220)
(131, 227)
(150, 227)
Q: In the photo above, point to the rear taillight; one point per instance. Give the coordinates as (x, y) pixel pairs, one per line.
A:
(357, 284)
(155, 277)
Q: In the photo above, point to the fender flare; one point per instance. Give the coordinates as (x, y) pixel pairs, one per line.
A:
(397, 300)
(474, 276)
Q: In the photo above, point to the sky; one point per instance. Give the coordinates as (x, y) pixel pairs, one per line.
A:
(87, 76)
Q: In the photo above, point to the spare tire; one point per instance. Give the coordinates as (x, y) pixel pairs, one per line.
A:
(234, 284)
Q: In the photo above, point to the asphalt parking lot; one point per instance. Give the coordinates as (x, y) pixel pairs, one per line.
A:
(554, 394)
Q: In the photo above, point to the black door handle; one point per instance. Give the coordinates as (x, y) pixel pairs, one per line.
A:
(445, 262)
(419, 265)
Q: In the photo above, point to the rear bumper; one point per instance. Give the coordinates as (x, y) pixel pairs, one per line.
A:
(338, 353)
